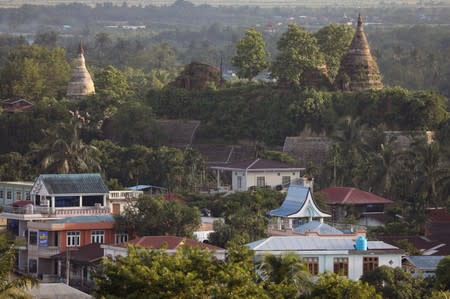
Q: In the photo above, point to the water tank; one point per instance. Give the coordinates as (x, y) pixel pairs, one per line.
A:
(361, 243)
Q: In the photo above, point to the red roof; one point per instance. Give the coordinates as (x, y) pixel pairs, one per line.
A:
(170, 242)
(351, 196)
(257, 164)
(439, 215)
(174, 197)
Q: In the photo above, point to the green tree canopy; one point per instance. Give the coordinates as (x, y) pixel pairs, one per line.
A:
(157, 216)
(443, 274)
(298, 52)
(189, 273)
(34, 72)
(333, 41)
(251, 55)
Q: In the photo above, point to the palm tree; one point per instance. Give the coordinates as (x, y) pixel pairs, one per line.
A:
(287, 270)
(63, 151)
(432, 174)
(11, 287)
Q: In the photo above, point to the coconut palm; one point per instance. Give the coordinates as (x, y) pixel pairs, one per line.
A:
(63, 151)
(11, 287)
(432, 174)
(288, 272)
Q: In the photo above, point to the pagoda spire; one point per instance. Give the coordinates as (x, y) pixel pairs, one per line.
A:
(358, 70)
(80, 48)
(81, 83)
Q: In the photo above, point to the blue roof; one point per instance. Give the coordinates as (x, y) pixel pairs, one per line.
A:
(140, 187)
(425, 262)
(295, 199)
(317, 227)
(80, 183)
(85, 219)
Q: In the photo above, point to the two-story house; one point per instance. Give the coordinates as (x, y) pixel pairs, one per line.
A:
(65, 211)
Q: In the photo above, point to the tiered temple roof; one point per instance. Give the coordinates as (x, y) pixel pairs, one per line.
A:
(358, 70)
(81, 83)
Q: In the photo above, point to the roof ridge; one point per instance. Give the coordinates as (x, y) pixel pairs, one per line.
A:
(253, 163)
(347, 196)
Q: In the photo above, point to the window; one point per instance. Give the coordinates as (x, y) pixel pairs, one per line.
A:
(1, 194)
(73, 239)
(239, 182)
(18, 195)
(260, 181)
(33, 238)
(67, 201)
(312, 263)
(285, 180)
(369, 264)
(9, 194)
(98, 236)
(32, 265)
(341, 266)
(92, 201)
(27, 196)
(121, 238)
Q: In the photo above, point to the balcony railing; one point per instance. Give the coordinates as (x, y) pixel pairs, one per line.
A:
(32, 210)
(127, 194)
(43, 251)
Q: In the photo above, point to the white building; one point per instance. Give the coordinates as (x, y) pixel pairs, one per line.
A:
(258, 173)
(336, 254)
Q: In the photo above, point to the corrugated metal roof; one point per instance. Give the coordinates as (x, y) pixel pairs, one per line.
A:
(425, 262)
(82, 183)
(307, 243)
(85, 219)
(295, 199)
(318, 227)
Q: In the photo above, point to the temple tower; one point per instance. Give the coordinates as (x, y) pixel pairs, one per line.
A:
(358, 70)
(81, 83)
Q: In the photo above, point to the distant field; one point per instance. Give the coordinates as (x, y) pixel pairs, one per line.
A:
(261, 3)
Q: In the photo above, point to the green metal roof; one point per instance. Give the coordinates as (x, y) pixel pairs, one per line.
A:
(85, 219)
(81, 183)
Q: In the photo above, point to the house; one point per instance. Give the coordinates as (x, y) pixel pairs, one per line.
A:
(258, 173)
(297, 208)
(170, 243)
(341, 255)
(421, 265)
(120, 199)
(81, 263)
(16, 105)
(65, 211)
(368, 207)
(14, 191)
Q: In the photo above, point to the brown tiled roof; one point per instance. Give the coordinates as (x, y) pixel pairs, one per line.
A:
(257, 164)
(439, 215)
(351, 196)
(84, 254)
(169, 242)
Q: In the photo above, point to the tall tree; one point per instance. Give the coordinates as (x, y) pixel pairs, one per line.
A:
(298, 52)
(63, 151)
(11, 287)
(251, 55)
(333, 41)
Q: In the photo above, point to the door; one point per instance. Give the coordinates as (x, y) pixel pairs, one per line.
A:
(116, 209)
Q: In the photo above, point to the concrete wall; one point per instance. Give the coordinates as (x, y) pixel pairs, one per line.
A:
(272, 178)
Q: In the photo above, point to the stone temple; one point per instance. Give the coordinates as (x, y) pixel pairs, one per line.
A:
(358, 70)
(81, 83)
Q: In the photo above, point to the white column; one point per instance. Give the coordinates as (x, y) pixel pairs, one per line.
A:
(218, 178)
(80, 200)
(104, 200)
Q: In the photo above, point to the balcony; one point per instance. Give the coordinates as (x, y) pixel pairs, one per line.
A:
(124, 195)
(31, 212)
(44, 252)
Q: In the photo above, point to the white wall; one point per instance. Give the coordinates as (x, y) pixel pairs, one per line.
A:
(272, 178)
